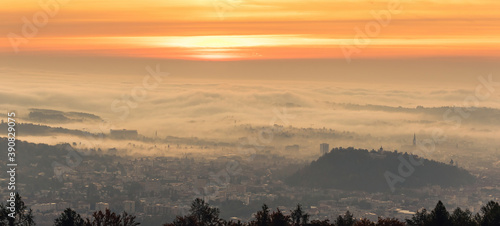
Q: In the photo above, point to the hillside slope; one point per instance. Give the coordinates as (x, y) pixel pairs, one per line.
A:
(359, 169)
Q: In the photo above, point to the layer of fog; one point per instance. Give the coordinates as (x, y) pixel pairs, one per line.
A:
(237, 111)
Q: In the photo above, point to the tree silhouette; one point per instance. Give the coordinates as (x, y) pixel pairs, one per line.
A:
(69, 218)
(129, 220)
(278, 219)
(204, 213)
(439, 215)
(23, 216)
(320, 223)
(460, 217)
(237, 223)
(490, 214)
(201, 213)
(3, 215)
(389, 222)
(262, 218)
(364, 222)
(109, 218)
(184, 221)
(346, 220)
(420, 218)
(299, 217)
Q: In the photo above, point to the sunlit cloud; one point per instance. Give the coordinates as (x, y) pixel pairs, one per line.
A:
(250, 28)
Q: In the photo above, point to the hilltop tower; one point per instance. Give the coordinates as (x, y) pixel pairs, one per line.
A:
(414, 140)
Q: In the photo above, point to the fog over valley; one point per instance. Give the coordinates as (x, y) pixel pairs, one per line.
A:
(184, 114)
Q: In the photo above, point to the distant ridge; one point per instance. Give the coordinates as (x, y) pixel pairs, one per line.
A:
(360, 169)
(54, 116)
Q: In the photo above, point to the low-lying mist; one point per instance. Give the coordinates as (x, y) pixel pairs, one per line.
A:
(267, 114)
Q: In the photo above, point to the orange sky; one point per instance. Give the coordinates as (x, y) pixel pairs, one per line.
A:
(251, 29)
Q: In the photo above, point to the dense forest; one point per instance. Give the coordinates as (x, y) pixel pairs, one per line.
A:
(360, 169)
(202, 214)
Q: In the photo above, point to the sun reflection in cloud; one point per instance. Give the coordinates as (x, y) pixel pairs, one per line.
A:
(221, 47)
(244, 47)
(229, 41)
(220, 56)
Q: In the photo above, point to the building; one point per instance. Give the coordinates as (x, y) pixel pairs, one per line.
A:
(60, 206)
(83, 206)
(129, 206)
(410, 148)
(123, 134)
(292, 148)
(101, 206)
(44, 207)
(324, 148)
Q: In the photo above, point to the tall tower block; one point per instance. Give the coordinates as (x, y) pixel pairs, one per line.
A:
(324, 148)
